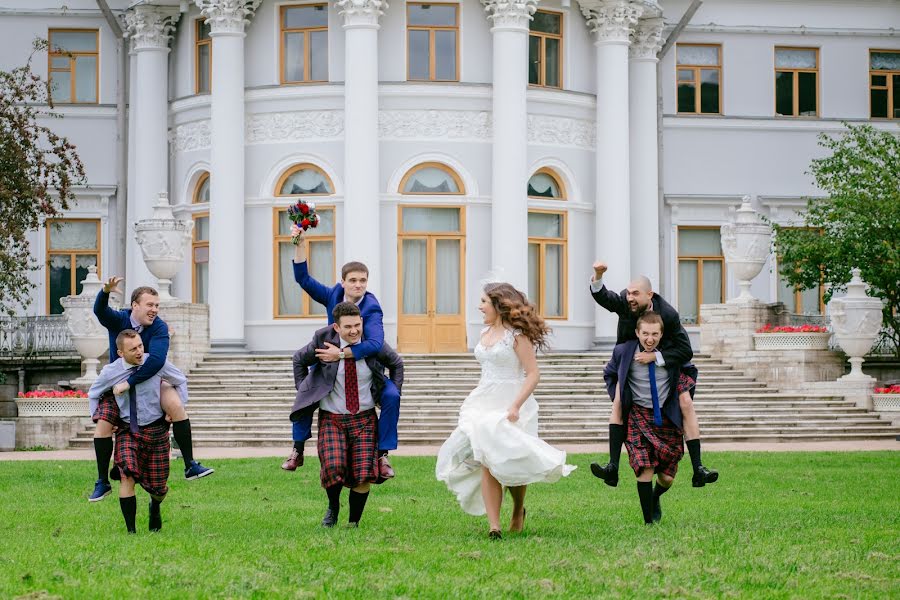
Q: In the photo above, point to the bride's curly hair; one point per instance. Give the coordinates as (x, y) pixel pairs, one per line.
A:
(517, 312)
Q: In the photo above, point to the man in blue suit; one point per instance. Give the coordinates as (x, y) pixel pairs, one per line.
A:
(143, 318)
(351, 288)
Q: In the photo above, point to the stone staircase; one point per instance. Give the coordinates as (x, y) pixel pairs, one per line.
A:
(244, 400)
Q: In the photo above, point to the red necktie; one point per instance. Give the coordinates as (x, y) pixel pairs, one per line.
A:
(351, 387)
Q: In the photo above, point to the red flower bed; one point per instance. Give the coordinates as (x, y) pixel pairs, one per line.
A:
(894, 389)
(53, 394)
(768, 328)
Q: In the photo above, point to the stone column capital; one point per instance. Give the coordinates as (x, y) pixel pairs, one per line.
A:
(611, 21)
(510, 14)
(150, 27)
(646, 39)
(362, 13)
(227, 17)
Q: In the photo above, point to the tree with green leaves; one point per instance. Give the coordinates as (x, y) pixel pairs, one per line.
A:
(856, 223)
(38, 170)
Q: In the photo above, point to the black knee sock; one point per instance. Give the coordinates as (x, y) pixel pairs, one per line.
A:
(616, 438)
(357, 505)
(693, 447)
(103, 448)
(298, 446)
(645, 493)
(129, 511)
(382, 453)
(334, 497)
(155, 515)
(659, 490)
(181, 430)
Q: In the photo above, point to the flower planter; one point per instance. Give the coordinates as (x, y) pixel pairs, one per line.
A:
(53, 407)
(791, 341)
(886, 402)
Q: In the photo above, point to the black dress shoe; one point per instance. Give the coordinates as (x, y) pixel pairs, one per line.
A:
(657, 510)
(702, 476)
(330, 518)
(609, 473)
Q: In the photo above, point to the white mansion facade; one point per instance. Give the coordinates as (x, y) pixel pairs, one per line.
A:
(443, 142)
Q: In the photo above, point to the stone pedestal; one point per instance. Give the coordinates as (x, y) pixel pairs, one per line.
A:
(189, 329)
(7, 436)
(728, 328)
(49, 432)
(858, 392)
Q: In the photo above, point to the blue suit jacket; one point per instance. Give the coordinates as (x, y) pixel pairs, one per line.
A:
(155, 338)
(616, 373)
(370, 309)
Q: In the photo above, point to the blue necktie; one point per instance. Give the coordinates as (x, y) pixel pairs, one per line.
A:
(654, 394)
(132, 407)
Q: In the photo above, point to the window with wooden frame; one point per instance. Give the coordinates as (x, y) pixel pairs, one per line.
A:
(73, 245)
(545, 40)
(201, 190)
(797, 82)
(545, 184)
(202, 57)
(432, 178)
(304, 179)
(74, 63)
(698, 69)
(884, 84)
(432, 36)
(701, 271)
(290, 301)
(200, 259)
(304, 43)
(548, 262)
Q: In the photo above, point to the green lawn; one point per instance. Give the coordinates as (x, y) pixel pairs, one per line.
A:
(800, 525)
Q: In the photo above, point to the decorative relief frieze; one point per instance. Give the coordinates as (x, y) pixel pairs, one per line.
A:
(294, 126)
(190, 137)
(561, 131)
(436, 124)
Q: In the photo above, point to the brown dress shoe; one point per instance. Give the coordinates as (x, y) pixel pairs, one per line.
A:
(294, 460)
(385, 470)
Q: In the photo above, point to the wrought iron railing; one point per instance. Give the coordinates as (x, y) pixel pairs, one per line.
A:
(23, 337)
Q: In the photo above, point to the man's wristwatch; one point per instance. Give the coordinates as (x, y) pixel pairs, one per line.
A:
(342, 355)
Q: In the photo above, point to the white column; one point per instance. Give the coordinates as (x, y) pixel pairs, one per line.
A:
(227, 293)
(149, 28)
(361, 239)
(611, 22)
(644, 149)
(509, 158)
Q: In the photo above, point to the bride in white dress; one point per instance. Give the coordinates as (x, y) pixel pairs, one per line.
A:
(495, 443)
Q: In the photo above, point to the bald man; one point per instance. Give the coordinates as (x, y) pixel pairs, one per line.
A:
(674, 350)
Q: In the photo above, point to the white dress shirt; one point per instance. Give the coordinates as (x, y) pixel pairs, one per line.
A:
(336, 401)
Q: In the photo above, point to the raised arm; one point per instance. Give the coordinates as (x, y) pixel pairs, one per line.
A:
(611, 301)
(159, 349)
(303, 359)
(109, 318)
(373, 335)
(316, 290)
(394, 363)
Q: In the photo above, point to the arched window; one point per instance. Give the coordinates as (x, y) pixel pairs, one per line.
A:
(201, 190)
(304, 180)
(432, 178)
(545, 184)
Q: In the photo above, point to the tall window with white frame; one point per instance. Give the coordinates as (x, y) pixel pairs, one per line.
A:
(884, 84)
(311, 183)
(202, 57)
(73, 245)
(701, 271)
(797, 82)
(200, 244)
(432, 37)
(304, 43)
(547, 247)
(545, 49)
(74, 63)
(699, 78)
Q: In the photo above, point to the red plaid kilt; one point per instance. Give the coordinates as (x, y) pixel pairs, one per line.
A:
(348, 448)
(107, 409)
(652, 446)
(685, 383)
(145, 455)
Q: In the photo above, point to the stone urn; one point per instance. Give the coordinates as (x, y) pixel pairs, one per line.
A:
(164, 241)
(745, 243)
(856, 321)
(88, 336)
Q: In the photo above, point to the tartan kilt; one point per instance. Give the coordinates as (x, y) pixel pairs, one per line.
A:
(145, 455)
(659, 447)
(686, 383)
(348, 448)
(107, 409)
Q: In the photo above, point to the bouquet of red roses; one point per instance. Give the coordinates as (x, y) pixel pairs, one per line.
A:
(303, 214)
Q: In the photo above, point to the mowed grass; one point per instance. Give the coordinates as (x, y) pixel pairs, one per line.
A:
(792, 525)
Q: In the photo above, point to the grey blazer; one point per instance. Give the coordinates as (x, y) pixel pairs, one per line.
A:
(314, 379)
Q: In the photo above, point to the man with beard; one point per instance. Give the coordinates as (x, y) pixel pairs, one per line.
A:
(674, 349)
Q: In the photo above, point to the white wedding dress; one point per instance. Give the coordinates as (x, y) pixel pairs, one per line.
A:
(485, 437)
